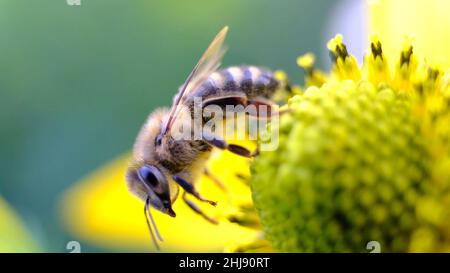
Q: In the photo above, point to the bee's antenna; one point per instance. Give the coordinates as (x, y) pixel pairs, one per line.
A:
(148, 215)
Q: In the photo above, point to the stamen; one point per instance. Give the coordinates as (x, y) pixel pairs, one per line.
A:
(433, 73)
(376, 50)
(345, 65)
(406, 56)
(338, 50)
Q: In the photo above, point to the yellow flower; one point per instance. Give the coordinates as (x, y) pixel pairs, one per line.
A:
(100, 210)
(13, 235)
(427, 20)
(364, 155)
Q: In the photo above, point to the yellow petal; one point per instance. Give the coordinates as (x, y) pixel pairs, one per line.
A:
(428, 21)
(13, 235)
(99, 209)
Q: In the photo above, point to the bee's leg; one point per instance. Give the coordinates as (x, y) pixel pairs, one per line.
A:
(189, 188)
(264, 108)
(270, 109)
(214, 179)
(256, 152)
(243, 178)
(222, 144)
(196, 209)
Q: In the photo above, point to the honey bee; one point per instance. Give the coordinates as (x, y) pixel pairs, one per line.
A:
(162, 164)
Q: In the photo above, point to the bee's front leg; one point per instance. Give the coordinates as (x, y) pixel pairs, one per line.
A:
(189, 188)
(196, 209)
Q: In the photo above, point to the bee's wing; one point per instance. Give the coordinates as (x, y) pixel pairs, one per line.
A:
(207, 64)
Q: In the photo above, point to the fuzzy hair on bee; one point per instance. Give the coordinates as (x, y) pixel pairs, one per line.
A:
(168, 156)
(161, 164)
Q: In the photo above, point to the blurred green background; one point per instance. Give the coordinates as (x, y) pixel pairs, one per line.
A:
(76, 82)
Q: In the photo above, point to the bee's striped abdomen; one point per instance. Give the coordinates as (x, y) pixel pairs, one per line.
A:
(251, 80)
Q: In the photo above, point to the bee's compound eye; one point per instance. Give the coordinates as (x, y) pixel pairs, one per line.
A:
(147, 175)
(158, 140)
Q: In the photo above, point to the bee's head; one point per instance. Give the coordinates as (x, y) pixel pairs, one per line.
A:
(146, 177)
(149, 182)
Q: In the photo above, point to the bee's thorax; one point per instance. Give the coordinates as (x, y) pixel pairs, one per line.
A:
(180, 155)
